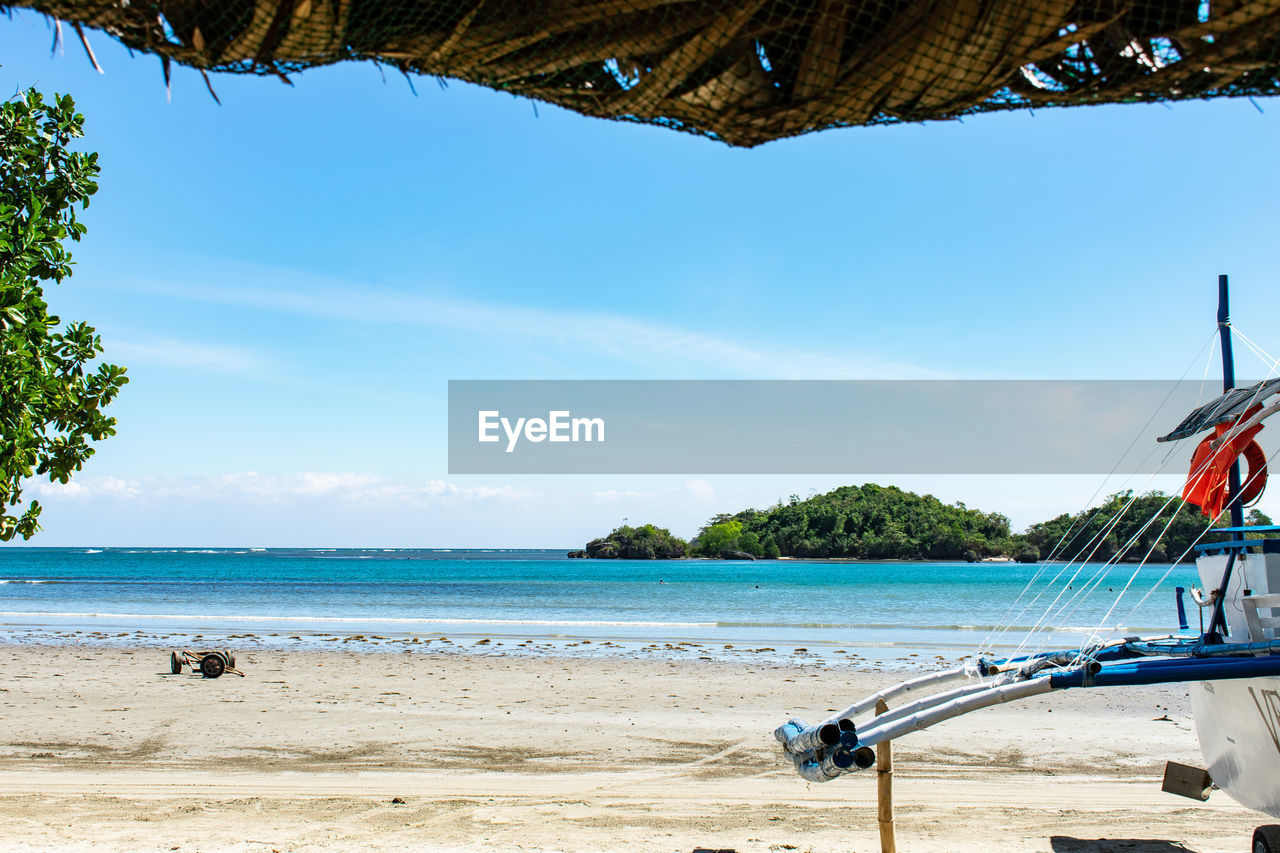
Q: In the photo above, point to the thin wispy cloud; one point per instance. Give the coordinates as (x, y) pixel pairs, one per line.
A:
(185, 354)
(700, 490)
(350, 488)
(692, 491)
(78, 489)
(663, 348)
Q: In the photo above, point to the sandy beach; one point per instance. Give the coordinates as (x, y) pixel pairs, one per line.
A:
(102, 749)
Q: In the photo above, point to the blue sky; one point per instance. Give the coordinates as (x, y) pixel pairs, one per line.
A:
(292, 278)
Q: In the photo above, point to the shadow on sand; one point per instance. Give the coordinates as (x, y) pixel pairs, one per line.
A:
(1067, 844)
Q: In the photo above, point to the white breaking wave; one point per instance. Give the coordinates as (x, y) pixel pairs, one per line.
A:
(359, 620)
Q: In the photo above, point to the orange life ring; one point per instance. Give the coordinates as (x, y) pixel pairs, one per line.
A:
(1255, 484)
(1207, 484)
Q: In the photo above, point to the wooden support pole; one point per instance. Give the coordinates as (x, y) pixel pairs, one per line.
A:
(884, 789)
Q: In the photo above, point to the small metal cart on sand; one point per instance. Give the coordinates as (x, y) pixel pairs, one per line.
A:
(210, 664)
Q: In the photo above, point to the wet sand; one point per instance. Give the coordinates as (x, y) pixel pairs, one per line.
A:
(102, 749)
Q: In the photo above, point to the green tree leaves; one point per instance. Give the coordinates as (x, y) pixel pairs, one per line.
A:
(1123, 522)
(645, 542)
(867, 522)
(714, 538)
(872, 522)
(51, 396)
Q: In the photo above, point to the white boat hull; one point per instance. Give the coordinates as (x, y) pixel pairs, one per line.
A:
(1238, 723)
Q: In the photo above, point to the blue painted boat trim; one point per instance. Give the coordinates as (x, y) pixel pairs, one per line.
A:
(1169, 672)
(1233, 543)
(1257, 528)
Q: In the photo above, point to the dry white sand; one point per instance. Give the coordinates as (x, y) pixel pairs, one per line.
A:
(101, 749)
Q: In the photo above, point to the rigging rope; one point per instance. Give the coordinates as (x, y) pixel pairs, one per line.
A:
(1010, 618)
(1184, 554)
(1235, 429)
(1059, 609)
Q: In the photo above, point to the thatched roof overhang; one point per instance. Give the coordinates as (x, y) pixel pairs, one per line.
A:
(741, 71)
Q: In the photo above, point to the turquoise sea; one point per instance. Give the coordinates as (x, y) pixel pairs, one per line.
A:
(896, 614)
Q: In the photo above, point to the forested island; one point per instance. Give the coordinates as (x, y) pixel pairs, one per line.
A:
(872, 522)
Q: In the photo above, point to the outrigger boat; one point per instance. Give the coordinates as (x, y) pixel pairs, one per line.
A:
(1232, 665)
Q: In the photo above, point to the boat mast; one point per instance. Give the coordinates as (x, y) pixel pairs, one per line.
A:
(1219, 622)
(1229, 382)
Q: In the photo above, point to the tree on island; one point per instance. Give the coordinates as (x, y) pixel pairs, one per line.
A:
(862, 522)
(725, 533)
(872, 522)
(646, 542)
(1097, 534)
(51, 400)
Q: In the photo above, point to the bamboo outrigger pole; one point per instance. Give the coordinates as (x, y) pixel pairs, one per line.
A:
(884, 788)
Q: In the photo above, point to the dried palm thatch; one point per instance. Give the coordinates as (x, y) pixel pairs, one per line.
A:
(742, 71)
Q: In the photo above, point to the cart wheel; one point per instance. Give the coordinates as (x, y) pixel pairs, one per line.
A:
(175, 663)
(212, 665)
(1266, 839)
